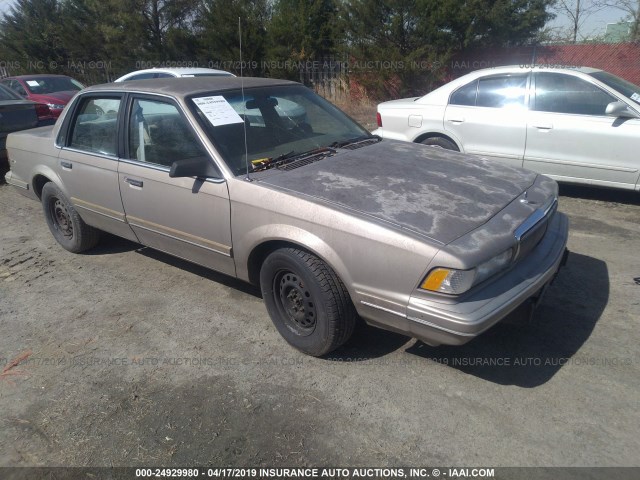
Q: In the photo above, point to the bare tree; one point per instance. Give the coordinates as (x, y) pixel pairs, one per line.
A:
(577, 12)
(631, 10)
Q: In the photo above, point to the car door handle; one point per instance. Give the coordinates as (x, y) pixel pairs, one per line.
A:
(544, 126)
(456, 120)
(134, 183)
(68, 165)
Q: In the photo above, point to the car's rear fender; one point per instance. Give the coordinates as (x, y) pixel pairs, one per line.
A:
(30, 174)
(434, 133)
(43, 174)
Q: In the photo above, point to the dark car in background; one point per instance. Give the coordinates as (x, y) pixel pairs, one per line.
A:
(55, 91)
(16, 114)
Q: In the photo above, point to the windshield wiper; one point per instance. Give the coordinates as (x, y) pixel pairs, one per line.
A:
(283, 159)
(265, 162)
(353, 141)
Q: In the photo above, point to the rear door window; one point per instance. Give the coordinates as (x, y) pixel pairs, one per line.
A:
(17, 86)
(142, 76)
(95, 126)
(8, 94)
(504, 91)
(465, 95)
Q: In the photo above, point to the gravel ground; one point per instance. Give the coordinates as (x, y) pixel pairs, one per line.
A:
(126, 356)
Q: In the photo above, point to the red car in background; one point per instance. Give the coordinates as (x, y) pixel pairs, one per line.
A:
(55, 91)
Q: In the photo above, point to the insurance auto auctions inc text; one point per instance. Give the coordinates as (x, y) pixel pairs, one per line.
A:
(335, 473)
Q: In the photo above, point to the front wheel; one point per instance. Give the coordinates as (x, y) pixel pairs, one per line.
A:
(64, 222)
(307, 302)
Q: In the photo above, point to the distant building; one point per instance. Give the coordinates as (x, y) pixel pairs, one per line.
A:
(617, 32)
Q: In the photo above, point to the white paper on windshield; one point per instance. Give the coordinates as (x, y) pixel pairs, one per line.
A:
(217, 110)
(33, 83)
(635, 97)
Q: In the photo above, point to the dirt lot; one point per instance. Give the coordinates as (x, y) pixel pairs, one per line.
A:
(126, 356)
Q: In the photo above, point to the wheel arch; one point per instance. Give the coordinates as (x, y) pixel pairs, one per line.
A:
(41, 177)
(433, 134)
(320, 249)
(38, 183)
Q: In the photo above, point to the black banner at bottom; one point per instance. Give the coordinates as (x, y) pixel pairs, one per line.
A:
(329, 473)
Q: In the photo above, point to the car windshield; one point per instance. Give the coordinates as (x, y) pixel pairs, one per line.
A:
(281, 122)
(8, 94)
(44, 85)
(626, 88)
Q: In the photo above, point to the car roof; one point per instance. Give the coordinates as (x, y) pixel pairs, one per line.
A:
(183, 87)
(537, 67)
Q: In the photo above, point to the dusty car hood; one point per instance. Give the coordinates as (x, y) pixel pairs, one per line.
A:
(429, 191)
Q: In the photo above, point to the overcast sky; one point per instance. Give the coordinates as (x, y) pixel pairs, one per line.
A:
(594, 25)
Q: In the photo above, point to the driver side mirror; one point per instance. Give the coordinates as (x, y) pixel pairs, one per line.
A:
(200, 167)
(620, 110)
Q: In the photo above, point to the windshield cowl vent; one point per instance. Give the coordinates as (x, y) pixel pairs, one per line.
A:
(302, 162)
(363, 143)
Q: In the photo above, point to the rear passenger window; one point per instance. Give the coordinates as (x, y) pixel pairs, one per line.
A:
(18, 88)
(142, 76)
(465, 95)
(502, 91)
(95, 126)
(158, 134)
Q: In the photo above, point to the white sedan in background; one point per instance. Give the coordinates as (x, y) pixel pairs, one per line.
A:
(576, 125)
(173, 72)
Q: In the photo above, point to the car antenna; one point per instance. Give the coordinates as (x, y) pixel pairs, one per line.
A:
(244, 119)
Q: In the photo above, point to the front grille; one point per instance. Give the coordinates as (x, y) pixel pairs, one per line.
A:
(534, 235)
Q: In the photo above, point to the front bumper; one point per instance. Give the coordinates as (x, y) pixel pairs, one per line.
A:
(455, 323)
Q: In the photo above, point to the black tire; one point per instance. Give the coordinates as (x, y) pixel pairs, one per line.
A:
(64, 222)
(440, 142)
(307, 302)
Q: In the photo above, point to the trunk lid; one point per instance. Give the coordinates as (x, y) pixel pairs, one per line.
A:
(430, 191)
(17, 115)
(401, 103)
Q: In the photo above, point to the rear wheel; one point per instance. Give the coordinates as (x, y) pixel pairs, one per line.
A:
(64, 222)
(307, 302)
(440, 142)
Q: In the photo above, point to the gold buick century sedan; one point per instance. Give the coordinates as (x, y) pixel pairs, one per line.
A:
(265, 181)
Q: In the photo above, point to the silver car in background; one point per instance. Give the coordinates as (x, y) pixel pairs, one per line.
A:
(330, 221)
(576, 125)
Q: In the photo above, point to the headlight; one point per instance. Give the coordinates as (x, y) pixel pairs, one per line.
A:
(455, 282)
(493, 266)
(55, 106)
